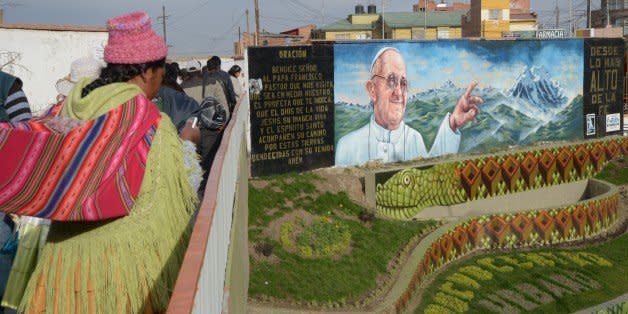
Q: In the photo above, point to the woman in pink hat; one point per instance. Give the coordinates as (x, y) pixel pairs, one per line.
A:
(109, 170)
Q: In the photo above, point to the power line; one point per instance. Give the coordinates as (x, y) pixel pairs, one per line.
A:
(308, 8)
(297, 11)
(223, 36)
(163, 19)
(196, 9)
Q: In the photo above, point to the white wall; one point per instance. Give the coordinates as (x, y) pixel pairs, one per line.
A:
(44, 57)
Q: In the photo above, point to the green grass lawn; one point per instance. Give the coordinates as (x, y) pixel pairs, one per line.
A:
(615, 172)
(610, 277)
(347, 278)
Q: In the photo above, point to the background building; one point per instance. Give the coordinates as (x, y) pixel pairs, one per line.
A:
(493, 18)
(358, 25)
(441, 6)
(296, 36)
(422, 25)
(433, 24)
(613, 13)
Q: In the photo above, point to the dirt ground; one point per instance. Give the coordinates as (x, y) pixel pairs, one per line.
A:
(348, 180)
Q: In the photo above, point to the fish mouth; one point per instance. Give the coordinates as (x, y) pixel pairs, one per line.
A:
(398, 212)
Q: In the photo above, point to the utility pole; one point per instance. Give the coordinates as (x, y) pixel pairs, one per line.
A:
(323, 14)
(425, 19)
(163, 19)
(588, 13)
(571, 19)
(557, 16)
(248, 29)
(256, 22)
(383, 34)
(608, 14)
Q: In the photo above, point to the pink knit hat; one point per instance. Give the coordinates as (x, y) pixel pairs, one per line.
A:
(133, 41)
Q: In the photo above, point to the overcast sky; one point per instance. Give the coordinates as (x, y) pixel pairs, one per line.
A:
(211, 26)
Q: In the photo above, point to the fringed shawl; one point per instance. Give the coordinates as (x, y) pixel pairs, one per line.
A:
(71, 170)
(129, 264)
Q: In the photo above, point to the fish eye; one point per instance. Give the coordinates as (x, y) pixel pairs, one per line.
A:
(406, 179)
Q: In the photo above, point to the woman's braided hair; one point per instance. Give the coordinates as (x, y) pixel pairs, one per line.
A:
(117, 73)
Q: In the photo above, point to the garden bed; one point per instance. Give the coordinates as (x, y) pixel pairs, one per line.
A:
(311, 247)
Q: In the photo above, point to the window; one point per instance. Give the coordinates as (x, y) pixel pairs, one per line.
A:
(495, 14)
(443, 33)
(616, 4)
(418, 34)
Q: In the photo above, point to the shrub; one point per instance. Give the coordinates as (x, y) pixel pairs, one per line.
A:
(437, 309)
(488, 263)
(476, 272)
(324, 237)
(451, 302)
(448, 288)
(463, 280)
(284, 235)
(264, 248)
(366, 216)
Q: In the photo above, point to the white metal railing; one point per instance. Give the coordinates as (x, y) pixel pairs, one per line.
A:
(209, 296)
(201, 281)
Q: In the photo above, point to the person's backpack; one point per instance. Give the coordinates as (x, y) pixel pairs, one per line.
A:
(212, 115)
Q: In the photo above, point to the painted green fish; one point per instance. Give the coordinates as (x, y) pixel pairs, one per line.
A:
(407, 192)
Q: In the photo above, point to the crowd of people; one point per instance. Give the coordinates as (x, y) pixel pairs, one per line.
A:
(99, 193)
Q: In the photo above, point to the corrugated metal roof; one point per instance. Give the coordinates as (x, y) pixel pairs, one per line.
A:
(401, 20)
(345, 25)
(278, 35)
(417, 19)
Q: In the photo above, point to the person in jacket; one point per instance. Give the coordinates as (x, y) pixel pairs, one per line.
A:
(234, 75)
(215, 72)
(111, 174)
(14, 106)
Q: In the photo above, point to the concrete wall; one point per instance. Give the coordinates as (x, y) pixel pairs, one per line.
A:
(430, 33)
(402, 33)
(494, 29)
(522, 25)
(44, 56)
(348, 35)
(364, 18)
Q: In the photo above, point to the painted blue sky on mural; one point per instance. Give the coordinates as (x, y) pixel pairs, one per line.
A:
(496, 64)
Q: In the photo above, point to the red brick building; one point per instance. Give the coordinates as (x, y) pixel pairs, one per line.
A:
(296, 36)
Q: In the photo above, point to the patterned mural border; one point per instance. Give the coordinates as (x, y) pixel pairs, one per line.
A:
(409, 191)
(535, 228)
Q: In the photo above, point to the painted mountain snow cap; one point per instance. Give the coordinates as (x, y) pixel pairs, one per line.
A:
(536, 86)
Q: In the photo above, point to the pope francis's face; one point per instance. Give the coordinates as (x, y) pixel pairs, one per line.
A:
(388, 89)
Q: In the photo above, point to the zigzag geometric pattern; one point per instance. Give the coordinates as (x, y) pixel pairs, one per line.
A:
(410, 190)
(498, 175)
(525, 229)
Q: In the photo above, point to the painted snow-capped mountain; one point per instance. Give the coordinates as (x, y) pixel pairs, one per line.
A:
(448, 85)
(534, 109)
(536, 87)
